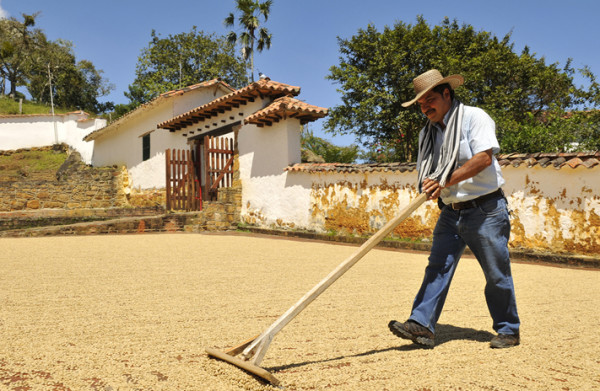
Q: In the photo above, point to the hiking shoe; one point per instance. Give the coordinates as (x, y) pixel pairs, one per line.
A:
(413, 331)
(501, 341)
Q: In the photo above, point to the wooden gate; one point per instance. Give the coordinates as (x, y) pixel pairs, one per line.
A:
(218, 158)
(183, 188)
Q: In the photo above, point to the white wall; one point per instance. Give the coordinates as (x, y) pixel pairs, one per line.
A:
(557, 209)
(123, 146)
(27, 131)
(267, 192)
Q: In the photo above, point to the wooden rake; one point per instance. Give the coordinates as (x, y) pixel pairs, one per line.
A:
(252, 351)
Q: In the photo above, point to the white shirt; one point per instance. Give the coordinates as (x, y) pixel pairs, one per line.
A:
(478, 134)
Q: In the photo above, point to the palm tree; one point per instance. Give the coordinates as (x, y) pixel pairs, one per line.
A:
(250, 12)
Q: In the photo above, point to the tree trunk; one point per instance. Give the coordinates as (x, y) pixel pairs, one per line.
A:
(13, 88)
(252, 60)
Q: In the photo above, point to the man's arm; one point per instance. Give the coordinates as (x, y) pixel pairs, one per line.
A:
(472, 167)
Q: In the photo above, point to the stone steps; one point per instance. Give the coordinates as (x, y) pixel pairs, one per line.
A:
(170, 222)
(216, 216)
(51, 217)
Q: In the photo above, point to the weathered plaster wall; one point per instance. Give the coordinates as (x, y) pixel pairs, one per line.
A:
(361, 203)
(553, 210)
(349, 203)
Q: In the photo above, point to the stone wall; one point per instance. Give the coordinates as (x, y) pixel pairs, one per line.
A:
(77, 186)
(147, 198)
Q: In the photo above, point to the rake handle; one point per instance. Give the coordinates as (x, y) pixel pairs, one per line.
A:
(257, 349)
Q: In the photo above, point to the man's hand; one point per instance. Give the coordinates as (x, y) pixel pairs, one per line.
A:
(432, 188)
(472, 167)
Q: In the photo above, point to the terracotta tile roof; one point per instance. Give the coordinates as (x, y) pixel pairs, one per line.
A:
(351, 168)
(554, 160)
(166, 95)
(286, 107)
(261, 88)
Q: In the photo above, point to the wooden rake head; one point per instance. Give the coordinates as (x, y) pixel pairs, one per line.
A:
(246, 364)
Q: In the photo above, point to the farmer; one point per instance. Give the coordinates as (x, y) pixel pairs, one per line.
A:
(456, 166)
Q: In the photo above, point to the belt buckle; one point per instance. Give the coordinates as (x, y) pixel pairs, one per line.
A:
(463, 205)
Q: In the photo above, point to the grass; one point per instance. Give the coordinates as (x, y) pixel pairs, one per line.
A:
(31, 164)
(11, 106)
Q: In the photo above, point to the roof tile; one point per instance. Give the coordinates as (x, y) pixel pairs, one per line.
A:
(263, 87)
(589, 163)
(557, 160)
(573, 163)
(351, 168)
(285, 107)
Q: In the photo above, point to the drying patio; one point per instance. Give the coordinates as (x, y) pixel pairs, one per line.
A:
(135, 312)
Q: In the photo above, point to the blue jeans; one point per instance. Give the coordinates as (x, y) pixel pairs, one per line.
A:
(485, 229)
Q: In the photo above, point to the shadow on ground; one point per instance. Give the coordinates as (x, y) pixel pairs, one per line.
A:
(444, 333)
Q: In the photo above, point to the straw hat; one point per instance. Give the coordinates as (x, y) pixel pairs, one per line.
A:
(426, 81)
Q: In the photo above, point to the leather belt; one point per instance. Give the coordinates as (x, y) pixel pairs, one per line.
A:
(475, 202)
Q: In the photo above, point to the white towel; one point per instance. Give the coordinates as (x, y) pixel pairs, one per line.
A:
(448, 156)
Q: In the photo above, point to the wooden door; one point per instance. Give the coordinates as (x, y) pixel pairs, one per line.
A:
(183, 186)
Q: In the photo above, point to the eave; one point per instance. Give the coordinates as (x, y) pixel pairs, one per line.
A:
(260, 89)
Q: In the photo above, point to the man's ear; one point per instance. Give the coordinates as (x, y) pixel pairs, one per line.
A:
(447, 95)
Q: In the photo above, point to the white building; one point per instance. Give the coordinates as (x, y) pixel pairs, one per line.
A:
(267, 121)
(134, 140)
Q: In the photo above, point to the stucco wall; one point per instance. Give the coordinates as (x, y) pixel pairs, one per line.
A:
(348, 203)
(27, 131)
(553, 210)
(266, 187)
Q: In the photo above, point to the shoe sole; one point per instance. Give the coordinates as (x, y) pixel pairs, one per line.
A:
(503, 345)
(400, 332)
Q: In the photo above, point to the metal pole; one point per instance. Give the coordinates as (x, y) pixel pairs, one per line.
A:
(52, 106)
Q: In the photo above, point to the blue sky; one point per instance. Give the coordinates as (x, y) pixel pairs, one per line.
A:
(111, 33)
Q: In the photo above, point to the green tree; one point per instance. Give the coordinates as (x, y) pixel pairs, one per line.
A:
(28, 59)
(519, 91)
(252, 34)
(383, 151)
(121, 109)
(18, 43)
(74, 84)
(328, 151)
(181, 60)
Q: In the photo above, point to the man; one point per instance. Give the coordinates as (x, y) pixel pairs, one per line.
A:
(457, 167)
